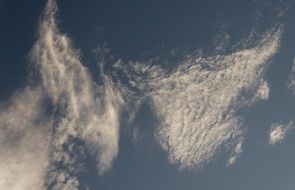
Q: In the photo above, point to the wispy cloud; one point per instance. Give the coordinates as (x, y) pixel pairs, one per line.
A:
(81, 117)
(82, 111)
(48, 128)
(197, 102)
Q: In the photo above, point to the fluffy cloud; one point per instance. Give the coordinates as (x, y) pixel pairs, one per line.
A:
(197, 102)
(279, 131)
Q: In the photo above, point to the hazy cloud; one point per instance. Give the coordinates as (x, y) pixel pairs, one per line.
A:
(24, 141)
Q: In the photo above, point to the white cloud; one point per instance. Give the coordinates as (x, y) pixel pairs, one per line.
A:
(236, 153)
(83, 111)
(24, 142)
(279, 131)
(84, 117)
(196, 103)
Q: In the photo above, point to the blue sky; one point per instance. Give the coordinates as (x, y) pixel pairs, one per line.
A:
(147, 95)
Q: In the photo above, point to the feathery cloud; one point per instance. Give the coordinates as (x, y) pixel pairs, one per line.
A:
(80, 117)
(82, 111)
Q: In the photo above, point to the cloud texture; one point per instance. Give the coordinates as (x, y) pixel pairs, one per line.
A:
(279, 131)
(79, 117)
(197, 102)
(49, 128)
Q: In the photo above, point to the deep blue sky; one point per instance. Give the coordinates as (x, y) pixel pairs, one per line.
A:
(136, 30)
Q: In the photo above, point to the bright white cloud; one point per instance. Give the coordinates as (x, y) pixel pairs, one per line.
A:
(196, 103)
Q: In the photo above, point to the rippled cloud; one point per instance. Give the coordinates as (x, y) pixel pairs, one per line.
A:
(197, 102)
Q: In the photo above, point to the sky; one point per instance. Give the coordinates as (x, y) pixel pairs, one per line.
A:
(147, 95)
